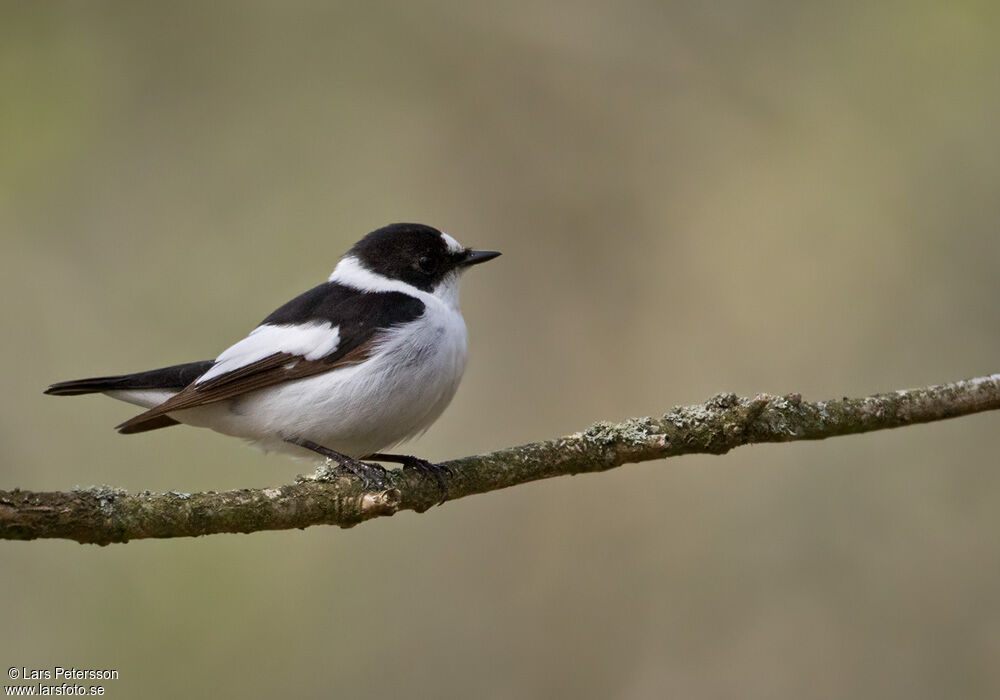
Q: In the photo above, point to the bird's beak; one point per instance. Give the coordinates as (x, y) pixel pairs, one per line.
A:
(474, 257)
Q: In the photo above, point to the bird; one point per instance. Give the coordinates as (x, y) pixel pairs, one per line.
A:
(354, 366)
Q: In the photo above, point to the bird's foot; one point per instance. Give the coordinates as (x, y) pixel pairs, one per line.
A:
(438, 472)
(369, 474)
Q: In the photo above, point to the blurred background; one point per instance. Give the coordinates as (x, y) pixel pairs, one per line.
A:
(690, 198)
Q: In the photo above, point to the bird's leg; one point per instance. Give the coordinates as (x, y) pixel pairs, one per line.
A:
(368, 473)
(421, 466)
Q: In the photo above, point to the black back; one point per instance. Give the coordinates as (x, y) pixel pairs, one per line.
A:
(357, 314)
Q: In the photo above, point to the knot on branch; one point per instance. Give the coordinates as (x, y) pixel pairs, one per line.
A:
(739, 425)
(380, 503)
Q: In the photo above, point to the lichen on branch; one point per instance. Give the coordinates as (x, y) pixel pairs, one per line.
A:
(105, 515)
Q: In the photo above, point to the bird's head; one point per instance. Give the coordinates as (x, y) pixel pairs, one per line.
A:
(409, 254)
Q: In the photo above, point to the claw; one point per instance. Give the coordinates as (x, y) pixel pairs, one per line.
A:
(368, 473)
(422, 466)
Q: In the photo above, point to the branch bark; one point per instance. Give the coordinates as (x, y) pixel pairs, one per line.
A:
(104, 515)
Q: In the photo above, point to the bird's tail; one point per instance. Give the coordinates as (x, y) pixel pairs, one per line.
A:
(174, 377)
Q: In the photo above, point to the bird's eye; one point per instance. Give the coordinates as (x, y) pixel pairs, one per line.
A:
(427, 264)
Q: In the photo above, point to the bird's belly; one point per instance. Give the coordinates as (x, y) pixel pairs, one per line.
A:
(357, 410)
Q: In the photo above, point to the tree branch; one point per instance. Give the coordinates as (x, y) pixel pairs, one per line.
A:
(104, 515)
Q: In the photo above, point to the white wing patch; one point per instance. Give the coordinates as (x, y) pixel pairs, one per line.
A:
(311, 341)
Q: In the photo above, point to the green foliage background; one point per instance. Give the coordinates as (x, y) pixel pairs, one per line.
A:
(691, 198)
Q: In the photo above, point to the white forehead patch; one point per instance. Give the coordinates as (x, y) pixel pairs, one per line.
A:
(453, 245)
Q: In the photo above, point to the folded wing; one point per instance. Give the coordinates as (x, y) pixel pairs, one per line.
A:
(326, 328)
